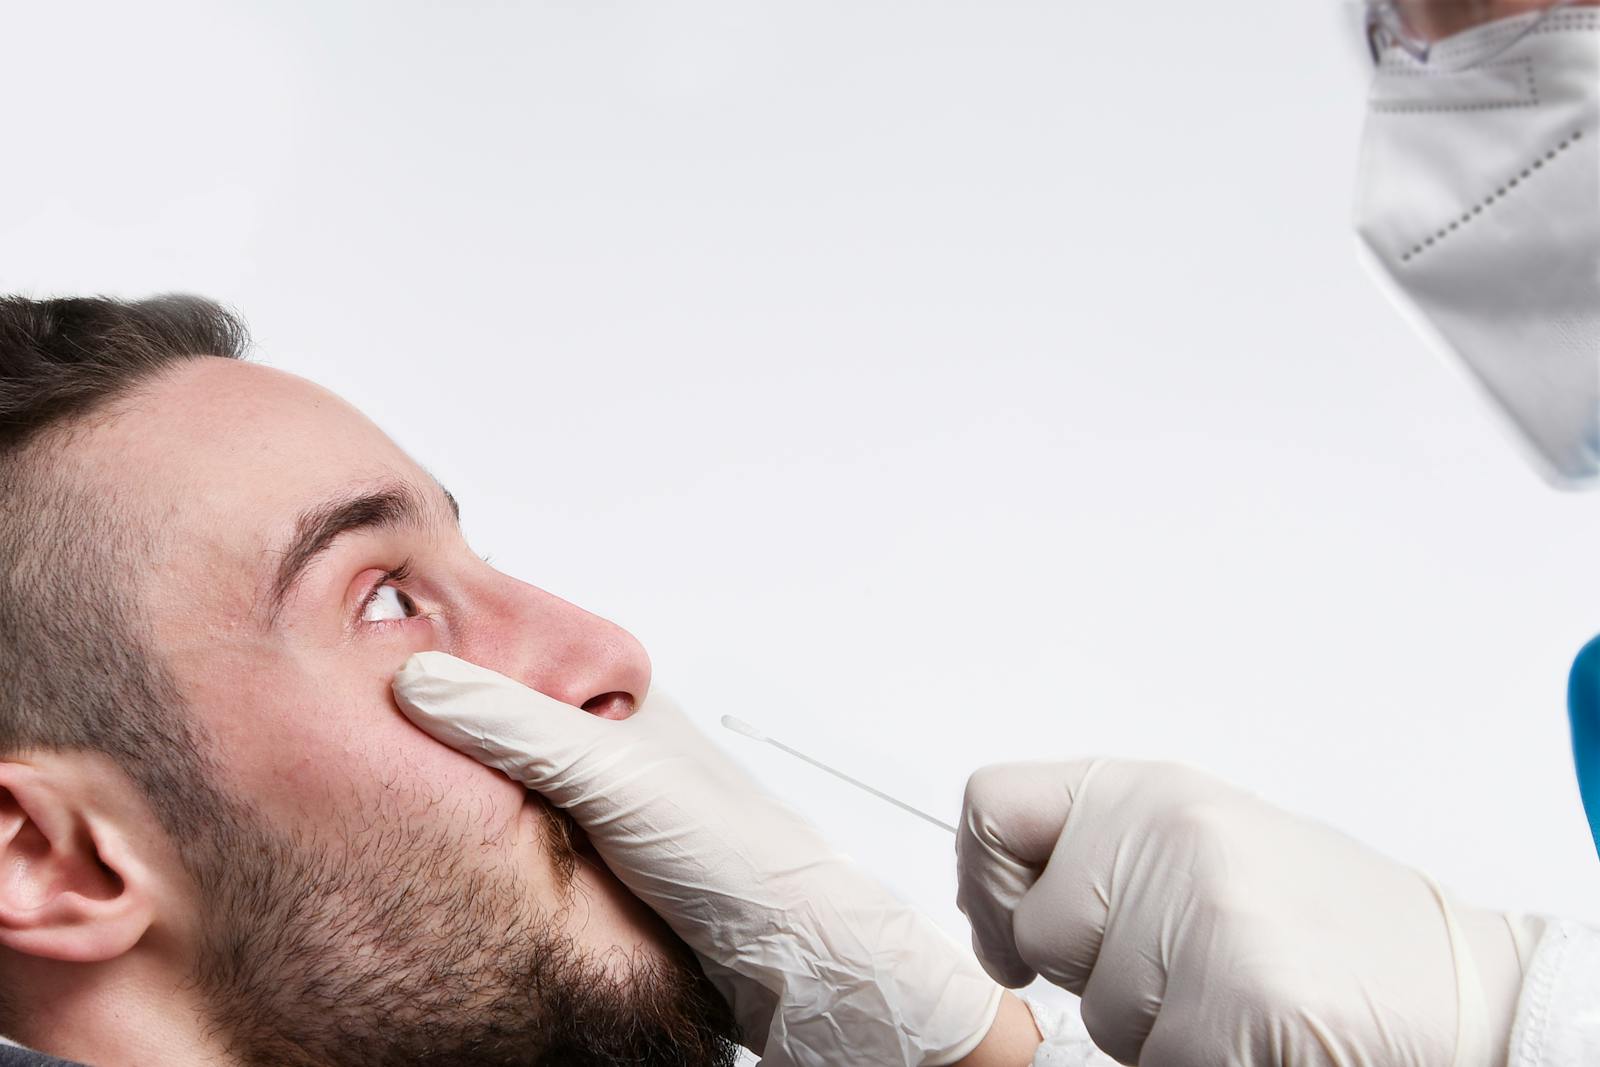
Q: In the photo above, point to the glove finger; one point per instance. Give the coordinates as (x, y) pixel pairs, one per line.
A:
(1111, 908)
(531, 737)
(1122, 995)
(1011, 818)
(1059, 924)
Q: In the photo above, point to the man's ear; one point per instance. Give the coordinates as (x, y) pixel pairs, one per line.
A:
(72, 886)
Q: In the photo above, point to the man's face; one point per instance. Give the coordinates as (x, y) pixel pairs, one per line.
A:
(299, 557)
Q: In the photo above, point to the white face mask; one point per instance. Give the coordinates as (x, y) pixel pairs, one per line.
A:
(1479, 202)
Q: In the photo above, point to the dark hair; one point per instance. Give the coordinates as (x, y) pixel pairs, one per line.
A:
(77, 670)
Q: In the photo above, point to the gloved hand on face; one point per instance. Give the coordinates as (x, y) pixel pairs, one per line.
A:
(823, 966)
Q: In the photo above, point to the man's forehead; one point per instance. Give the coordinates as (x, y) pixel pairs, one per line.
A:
(228, 430)
(232, 454)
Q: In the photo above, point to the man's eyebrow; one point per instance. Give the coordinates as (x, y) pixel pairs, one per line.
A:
(388, 507)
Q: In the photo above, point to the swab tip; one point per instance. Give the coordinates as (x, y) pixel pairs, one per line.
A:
(739, 726)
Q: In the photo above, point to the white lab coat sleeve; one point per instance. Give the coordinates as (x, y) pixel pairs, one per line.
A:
(1066, 1042)
(1558, 1015)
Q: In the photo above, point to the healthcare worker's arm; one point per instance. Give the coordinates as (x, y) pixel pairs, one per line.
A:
(822, 965)
(1202, 925)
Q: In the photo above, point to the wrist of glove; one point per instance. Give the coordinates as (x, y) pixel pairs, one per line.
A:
(822, 965)
(1202, 925)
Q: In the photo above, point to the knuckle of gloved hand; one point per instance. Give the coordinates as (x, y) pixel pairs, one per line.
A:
(1200, 840)
(1198, 819)
(1177, 782)
(1184, 804)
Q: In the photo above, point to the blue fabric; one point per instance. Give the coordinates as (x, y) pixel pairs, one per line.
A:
(1583, 709)
(11, 1056)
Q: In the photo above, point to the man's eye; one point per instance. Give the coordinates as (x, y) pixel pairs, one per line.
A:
(387, 603)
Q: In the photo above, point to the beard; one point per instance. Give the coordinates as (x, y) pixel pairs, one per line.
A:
(387, 949)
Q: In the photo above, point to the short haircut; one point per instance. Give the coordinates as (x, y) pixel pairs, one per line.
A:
(77, 666)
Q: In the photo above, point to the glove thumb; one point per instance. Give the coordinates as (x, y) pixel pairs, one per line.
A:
(1011, 818)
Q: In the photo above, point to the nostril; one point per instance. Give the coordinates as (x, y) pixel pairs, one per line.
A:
(610, 705)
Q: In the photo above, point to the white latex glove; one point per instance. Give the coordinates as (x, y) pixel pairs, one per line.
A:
(823, 966)
(1203, 926)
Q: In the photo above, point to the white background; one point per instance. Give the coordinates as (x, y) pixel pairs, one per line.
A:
(929, 383)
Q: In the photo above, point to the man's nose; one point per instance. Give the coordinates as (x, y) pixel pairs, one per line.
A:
(561, 650)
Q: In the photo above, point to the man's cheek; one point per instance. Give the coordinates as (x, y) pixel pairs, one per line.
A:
(438, 771)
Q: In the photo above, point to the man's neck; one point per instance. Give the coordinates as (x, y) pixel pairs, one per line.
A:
(122, 1013)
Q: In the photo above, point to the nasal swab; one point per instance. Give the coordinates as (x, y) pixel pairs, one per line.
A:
(739, 726)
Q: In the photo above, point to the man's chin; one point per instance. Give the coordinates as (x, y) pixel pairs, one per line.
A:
(393, 951)
(631, 946)
(604, 916)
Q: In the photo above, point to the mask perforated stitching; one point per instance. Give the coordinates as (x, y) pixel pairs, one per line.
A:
(1561, 21)
(1531, 100)
(1486, 41)
(1499, 194)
